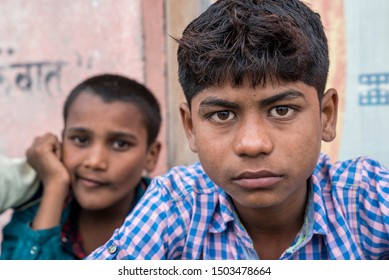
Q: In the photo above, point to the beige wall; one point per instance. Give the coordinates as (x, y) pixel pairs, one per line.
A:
(178, 13)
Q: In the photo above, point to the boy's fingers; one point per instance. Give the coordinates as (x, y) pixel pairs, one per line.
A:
(57, 150)
(43, 144)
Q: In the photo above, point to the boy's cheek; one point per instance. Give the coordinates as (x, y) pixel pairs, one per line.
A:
(69, 155)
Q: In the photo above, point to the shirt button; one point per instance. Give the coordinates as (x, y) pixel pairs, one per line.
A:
(112, 249)
(34, 250)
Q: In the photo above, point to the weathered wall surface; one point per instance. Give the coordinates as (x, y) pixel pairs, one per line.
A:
(47, 47)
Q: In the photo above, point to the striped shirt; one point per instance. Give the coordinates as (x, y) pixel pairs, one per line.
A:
(184, 215)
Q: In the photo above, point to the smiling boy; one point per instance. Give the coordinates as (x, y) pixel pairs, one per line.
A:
(254, 75)
(93, 179)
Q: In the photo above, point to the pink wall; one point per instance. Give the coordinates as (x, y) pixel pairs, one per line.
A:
(155, 66)
(47, 47)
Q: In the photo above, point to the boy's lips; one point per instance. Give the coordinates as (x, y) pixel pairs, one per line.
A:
(90, 182)
(257, 179)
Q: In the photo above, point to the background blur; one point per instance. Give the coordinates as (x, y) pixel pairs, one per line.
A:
(49, 46)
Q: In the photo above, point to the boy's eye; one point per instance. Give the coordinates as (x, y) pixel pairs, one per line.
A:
(222, 116)
(121, 145)
(282, 112)
(79, 140)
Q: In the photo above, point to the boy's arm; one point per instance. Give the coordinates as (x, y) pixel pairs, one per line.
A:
(45, 157)
(35, 232)
(18, 182)
(21, 242)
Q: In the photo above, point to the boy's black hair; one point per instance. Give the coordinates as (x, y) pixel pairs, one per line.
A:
(112, 88)
(261, 41)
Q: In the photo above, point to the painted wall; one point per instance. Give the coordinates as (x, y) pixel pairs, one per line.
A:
(47, 47)
(366, 114)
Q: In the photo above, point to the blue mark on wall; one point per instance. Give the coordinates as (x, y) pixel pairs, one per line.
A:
(375, 93)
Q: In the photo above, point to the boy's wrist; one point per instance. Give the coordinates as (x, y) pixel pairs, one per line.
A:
(56, 190)
(50, 209)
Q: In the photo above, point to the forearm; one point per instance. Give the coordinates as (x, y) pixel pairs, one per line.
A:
(44, 157)
(50, 209)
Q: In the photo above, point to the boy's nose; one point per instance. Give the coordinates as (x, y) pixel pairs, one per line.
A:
(253, 139)
(96, 158)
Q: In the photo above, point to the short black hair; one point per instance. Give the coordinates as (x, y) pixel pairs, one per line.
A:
(112, 88)
(255, 40)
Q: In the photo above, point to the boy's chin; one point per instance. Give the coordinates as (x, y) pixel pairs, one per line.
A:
(89, 203)
(260, 200)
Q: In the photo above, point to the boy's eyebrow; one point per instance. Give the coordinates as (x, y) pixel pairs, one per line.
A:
(214, 101)
(282, 96)
(77, 129)
(116, 134)
(112, 134)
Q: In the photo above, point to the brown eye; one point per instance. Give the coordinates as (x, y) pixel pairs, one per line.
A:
(223, 115)
(282, 111)
(121, 145)
(79, 140)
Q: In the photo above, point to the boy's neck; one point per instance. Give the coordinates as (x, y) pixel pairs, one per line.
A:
(97, 226)
(273, 229)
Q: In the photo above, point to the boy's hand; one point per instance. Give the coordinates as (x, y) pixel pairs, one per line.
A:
(44, 156)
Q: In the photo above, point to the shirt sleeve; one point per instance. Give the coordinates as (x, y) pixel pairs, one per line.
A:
(374, 210)
(153, 230)
(18, 182)
(21, 242)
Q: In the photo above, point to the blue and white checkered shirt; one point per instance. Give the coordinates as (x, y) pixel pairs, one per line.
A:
(184, 215)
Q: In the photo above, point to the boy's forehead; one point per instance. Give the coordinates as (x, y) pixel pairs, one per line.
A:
(88, 102)
(88, 97)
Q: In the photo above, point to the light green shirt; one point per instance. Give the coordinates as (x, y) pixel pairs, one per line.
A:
(18, 182)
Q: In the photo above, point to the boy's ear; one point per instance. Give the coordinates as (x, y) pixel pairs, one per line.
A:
(152, 156)
(329, 114)
(186, 118)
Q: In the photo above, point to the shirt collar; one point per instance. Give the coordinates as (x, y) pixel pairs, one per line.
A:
(315, 216)
(223, 213)
(317, 210)
(225, 216)
(70, 235)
